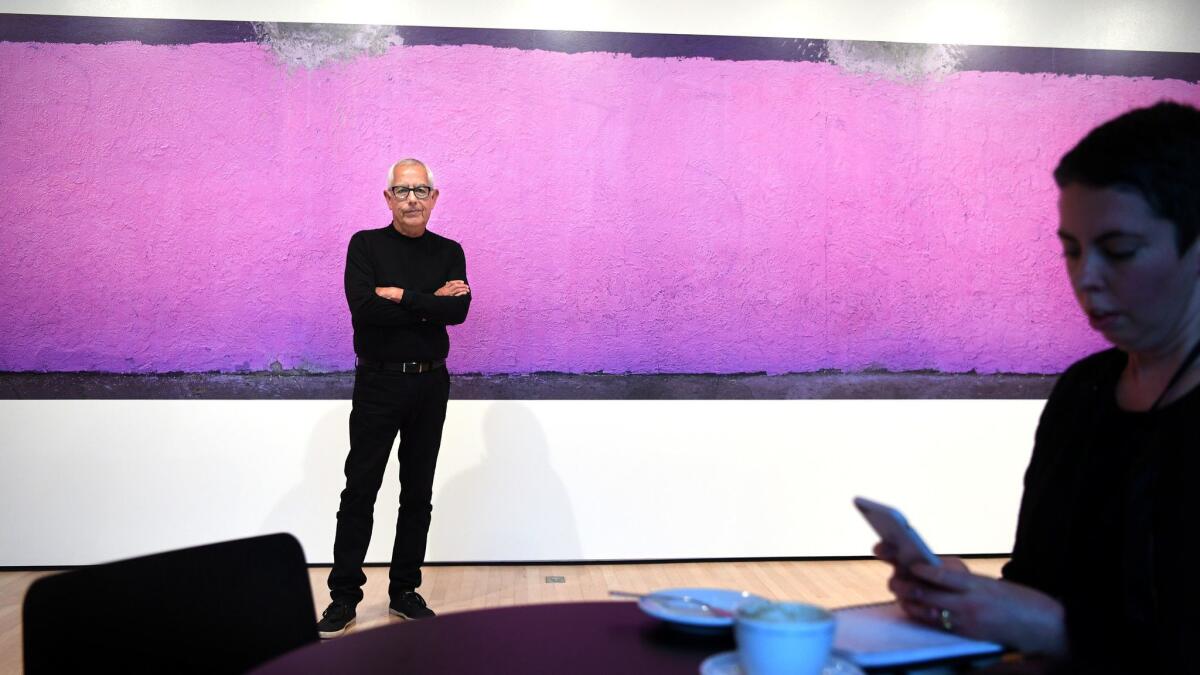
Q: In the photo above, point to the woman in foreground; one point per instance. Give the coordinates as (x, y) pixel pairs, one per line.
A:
(1104, 574)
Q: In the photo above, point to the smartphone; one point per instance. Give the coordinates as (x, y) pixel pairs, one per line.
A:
(893, 528)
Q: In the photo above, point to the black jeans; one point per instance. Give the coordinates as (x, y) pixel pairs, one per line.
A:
(387, 402)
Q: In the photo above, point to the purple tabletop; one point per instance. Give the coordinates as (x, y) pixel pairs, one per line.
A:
(579, 638)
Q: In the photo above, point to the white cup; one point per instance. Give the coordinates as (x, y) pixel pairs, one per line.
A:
(783, 638)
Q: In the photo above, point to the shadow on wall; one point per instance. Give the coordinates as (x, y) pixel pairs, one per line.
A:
(309, 509)
(512, 505)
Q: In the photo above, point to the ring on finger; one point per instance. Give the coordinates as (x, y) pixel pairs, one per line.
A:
(946, 619)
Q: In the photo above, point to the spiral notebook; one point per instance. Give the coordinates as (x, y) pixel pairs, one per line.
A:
(882, 635)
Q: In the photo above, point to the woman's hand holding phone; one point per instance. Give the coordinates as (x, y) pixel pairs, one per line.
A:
(942, 592)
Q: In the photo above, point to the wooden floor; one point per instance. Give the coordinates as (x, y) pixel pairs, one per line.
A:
(462, 588)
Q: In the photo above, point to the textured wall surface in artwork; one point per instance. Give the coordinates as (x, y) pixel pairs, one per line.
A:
(187, 208)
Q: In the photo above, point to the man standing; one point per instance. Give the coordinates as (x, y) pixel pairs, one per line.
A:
(404, 285)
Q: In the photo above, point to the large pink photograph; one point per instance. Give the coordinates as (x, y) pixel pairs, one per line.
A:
(186, 207)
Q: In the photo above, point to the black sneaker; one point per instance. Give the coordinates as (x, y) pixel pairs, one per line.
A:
(410, 605)
(335, 620)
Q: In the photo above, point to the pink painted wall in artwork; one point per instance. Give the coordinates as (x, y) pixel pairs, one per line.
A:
(187, 209)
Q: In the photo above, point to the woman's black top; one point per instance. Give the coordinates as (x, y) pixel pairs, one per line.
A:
(1109, 523)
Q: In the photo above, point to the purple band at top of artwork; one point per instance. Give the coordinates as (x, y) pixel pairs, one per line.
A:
(1011, 59)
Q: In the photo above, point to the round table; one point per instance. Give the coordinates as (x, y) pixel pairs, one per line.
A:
(578, 638)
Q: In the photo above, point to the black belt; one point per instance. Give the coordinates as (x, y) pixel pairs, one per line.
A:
(402, 366)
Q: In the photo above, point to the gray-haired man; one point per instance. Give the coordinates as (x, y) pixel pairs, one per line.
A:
(404, 285)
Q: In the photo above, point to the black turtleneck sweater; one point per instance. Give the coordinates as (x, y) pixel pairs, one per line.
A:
(413, 329)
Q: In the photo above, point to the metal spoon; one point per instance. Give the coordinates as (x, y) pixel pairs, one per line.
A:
(685, 599)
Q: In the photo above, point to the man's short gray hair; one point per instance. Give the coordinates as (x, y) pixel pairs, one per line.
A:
(409, 161)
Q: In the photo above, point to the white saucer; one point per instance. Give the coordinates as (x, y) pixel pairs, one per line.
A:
(660, 606)
(726, 663)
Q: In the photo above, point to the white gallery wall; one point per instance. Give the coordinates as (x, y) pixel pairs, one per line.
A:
(87, 481)
(84, 481)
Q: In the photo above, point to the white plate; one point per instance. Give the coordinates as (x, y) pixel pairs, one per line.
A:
(690, 614)
(726, 663)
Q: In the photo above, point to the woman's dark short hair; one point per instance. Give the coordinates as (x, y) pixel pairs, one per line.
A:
(1154, 151)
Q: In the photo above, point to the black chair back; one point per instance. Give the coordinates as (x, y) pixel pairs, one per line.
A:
(220, 608)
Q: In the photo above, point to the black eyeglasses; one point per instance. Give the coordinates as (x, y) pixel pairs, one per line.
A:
(421, 191)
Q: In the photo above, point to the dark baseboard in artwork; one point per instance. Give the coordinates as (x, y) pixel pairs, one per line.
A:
(535, 386)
